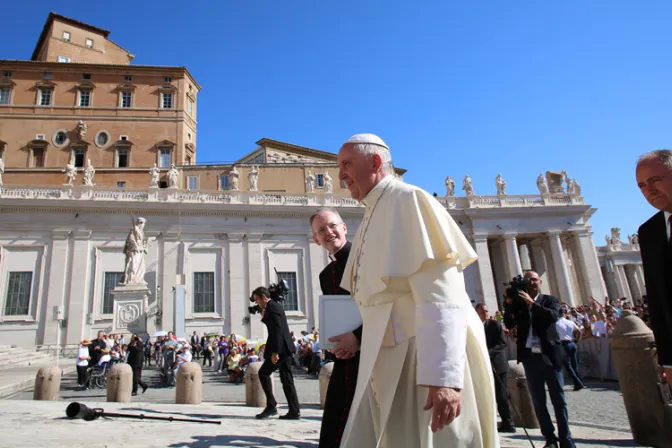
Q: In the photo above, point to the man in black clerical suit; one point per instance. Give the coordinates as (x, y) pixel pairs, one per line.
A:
(279, 352)
(329, 231)
(542, 355)
(654, 178)
(496, 342)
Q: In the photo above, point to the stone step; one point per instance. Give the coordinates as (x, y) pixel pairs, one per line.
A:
(22, 378)
(28, 360)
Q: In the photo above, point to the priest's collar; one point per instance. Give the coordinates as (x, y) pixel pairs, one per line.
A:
(341, 253)
(376, 191)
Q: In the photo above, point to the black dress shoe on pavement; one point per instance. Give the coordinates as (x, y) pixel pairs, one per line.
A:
(579, 387)
(290, 416)
(552, 444)
(506, 428)
(144, 388)
(569, 443)
(266, 413)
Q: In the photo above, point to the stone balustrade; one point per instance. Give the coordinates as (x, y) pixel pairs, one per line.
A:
(151, 194)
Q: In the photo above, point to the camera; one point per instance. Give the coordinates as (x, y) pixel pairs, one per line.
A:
(277, 292)
(519, 283)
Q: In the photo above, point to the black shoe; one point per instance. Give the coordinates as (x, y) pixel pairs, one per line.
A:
(579, 387)
(506, 427)
(144, 388)
(290, 416)
(569, 443)
(266, 413)
(552, 444)
(134, 393)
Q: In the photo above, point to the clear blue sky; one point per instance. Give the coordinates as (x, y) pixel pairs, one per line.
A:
(453, 87)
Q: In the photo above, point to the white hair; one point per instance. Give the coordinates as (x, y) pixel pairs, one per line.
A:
(663, 156)
(369, 149)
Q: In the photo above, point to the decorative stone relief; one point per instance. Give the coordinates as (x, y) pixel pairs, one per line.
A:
(233, 178)
(500, 183)
(253, 178)
(614, 242)
(554, 180)
(467, 187)
(173, 177)
(541, 184)
(310, 182)
(89, 173)
(633, 239)
(154, 173)
(328, 183)
(450, 186)
(128, 314)
(70, 173)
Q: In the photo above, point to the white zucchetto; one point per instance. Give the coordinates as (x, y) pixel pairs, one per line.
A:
(370, 139)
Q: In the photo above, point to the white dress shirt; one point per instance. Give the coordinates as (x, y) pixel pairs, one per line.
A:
(566, 329)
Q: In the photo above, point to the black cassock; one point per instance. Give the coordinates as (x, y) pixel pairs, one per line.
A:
(344, 375)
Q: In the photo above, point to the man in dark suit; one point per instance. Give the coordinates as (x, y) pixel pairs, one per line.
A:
(539, 349)
(279, 352)
(496, 342)
(654, 178)
(329, 231)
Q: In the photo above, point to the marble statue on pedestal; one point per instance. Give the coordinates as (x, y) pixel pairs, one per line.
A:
(2, 170)
(633, 239)
(253, 178)
(467, 187)
(70, 173)
(154, 173)
(500, 183)
(135, 249)
(614, 241)
(541, 184)
(233, 178)
(310, 182)
(81, 129)
(173, 177)
(450, 186)
(328, 183)
(89, 173)
(577, 187)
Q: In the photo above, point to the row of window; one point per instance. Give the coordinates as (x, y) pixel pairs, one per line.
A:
(84, 98)
(88, 43)
(192, 182)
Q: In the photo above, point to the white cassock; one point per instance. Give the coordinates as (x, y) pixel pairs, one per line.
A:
(420, 329)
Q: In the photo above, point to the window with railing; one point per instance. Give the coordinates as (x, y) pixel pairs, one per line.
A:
(204, 292)
(110, 281)
(291, 302)
(17, 302)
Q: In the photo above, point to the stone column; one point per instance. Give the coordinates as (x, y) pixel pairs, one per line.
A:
(639, 271)
(317, 260)
(525, 262)
(621, 282)
(540, 266)
(79, 287)
(56, 282)
(255, 278)
(561, 271)
(485, 286)
(633, 282)
(589, 266)
(510, 246)
(238, 292)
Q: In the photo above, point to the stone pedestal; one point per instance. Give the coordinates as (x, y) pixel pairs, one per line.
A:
(189, 388)
(254, 394)
(130, 309)
(47, 383)
(649, 411)
(520, 397)
(325, 377)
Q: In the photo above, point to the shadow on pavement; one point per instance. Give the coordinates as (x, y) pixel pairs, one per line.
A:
(242, 441)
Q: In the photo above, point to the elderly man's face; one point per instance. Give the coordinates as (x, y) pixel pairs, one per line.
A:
(357, 170)
(329, 231)
(655, 182)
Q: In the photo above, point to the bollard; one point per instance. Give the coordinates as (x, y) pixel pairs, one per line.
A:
(119, 383)
(254, 394)
(649, 411)
(47, 383)
(524, 415)
(325, 376)
(189, 381)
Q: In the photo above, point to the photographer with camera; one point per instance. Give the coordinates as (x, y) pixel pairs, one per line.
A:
(136, 351)
(539, 349)
(279, 352)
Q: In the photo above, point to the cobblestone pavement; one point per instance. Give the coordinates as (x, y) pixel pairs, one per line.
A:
(600, 403)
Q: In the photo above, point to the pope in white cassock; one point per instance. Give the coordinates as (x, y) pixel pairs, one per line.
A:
(425, 379)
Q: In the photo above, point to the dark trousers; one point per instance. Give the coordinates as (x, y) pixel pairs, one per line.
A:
(540, 374)
(571, 362)
(137, 378)
(284, 364)
(502, 400)
(340, 393)
(81, 375)
(207, 356)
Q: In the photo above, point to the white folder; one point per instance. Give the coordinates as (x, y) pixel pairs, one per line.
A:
(339, 314)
